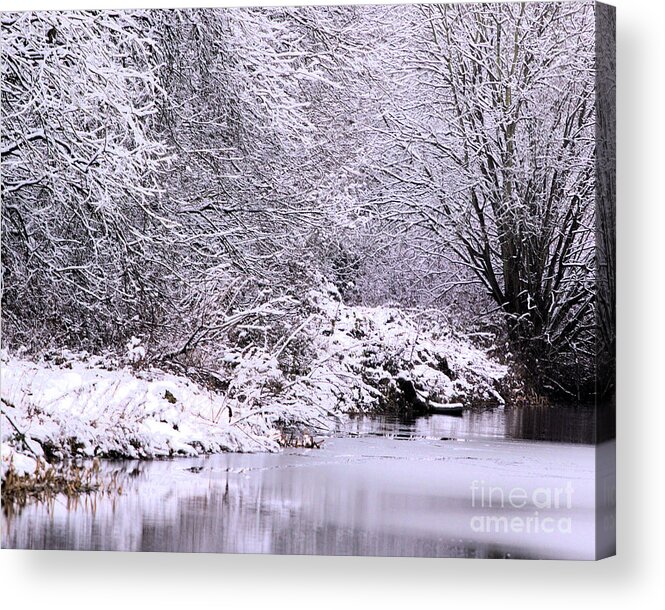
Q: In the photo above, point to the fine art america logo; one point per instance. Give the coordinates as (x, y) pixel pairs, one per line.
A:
(540, 510)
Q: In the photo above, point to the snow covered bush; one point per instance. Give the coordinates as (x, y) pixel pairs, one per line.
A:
(363, 352)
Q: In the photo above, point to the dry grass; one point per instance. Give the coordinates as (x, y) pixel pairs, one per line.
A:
(298, 439)
(49, 480)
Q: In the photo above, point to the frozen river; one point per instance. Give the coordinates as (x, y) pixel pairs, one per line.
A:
(489, 484)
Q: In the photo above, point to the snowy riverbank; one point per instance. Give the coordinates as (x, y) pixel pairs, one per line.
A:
(69, 404)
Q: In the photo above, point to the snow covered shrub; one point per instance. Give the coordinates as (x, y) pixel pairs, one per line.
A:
(135, 351)
(360, 355)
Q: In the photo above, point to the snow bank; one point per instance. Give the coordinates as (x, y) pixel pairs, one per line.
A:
(81, 406)
(349, 359)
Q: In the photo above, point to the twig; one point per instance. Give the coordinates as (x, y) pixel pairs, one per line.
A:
(22, 435)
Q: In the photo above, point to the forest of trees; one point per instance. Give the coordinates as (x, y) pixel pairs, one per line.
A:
(184, 176)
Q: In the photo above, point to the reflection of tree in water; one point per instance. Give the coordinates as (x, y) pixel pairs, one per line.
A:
(566, 424)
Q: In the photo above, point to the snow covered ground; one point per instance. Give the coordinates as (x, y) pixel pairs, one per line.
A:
(79, 407)
(76, 404)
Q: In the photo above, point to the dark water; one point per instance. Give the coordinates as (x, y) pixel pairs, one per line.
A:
(575, 424)
(435, 486)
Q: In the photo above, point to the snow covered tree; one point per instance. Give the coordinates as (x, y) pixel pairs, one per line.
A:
(189, 175)
(261, 111)
(493, 164)
(606, 201)
(81, 224)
